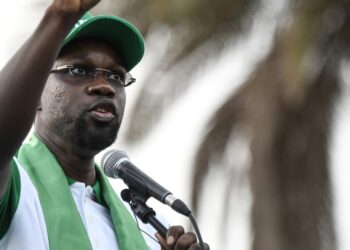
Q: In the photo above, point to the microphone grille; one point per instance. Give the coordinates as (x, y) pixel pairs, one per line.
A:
(109, 159)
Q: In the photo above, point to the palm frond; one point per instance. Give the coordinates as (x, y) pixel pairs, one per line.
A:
(287, 110)
(197, 34)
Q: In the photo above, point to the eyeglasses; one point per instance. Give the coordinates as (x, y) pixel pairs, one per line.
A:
(86, 73)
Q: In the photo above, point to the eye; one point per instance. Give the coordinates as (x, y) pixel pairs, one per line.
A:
(115, 77)
(80, 70)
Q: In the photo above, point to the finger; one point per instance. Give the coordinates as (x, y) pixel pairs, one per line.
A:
(197, 247)
(73, 6)
(174, 232)
(185, 241)
(161, 241)
(88, 4)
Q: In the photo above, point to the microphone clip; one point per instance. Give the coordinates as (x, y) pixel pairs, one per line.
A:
(146, 214)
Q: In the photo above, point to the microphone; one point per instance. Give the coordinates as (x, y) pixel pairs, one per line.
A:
(116, 164)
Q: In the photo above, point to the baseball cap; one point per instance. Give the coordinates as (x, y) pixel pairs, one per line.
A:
(120, 33)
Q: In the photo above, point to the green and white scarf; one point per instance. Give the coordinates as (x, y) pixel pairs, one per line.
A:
(64, 225)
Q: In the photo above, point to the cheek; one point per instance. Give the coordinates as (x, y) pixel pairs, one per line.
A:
(121, 101)
(59, 95)
(55, 100)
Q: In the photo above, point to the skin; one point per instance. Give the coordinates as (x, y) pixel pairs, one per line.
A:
(62, 109)
(64, 122)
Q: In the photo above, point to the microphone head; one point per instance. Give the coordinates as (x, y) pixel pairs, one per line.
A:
(109, 161)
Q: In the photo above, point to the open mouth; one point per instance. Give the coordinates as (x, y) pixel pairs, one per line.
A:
(103, 111)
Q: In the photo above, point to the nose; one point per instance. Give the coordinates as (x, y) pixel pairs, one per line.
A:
(101, 87)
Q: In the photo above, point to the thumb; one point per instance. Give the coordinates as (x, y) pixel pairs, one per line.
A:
(161, 241)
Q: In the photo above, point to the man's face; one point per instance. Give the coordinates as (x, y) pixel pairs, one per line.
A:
(86, 113)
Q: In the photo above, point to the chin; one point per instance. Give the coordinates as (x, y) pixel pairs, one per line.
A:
(95, 140)
(97, 143)
(91, 136)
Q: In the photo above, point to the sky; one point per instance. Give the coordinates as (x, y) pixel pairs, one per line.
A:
(170, 165)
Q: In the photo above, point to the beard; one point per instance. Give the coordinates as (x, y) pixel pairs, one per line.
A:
(95, 138)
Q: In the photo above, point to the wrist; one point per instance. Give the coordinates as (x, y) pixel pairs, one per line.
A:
(62, 18)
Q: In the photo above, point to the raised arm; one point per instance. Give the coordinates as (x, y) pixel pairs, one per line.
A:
(23, 78)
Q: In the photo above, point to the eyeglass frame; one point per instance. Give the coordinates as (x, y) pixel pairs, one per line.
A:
(128, 77)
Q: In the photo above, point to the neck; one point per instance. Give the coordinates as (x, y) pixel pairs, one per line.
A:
(75, 162)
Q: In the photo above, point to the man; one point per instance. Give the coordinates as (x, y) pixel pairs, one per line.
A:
(72, 86)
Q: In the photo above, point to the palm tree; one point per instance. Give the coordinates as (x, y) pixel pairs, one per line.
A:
(283, 110)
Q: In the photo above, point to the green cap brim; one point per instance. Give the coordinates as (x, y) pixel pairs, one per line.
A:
(121, 34)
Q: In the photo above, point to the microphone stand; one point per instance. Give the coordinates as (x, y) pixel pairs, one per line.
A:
(137, 202)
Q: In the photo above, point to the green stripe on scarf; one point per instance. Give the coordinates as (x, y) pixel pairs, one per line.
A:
(64, 226)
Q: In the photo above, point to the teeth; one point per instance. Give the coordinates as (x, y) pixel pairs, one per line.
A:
(102, 110)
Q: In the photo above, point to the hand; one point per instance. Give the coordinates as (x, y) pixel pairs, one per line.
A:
(177, 239)
(73, 6)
